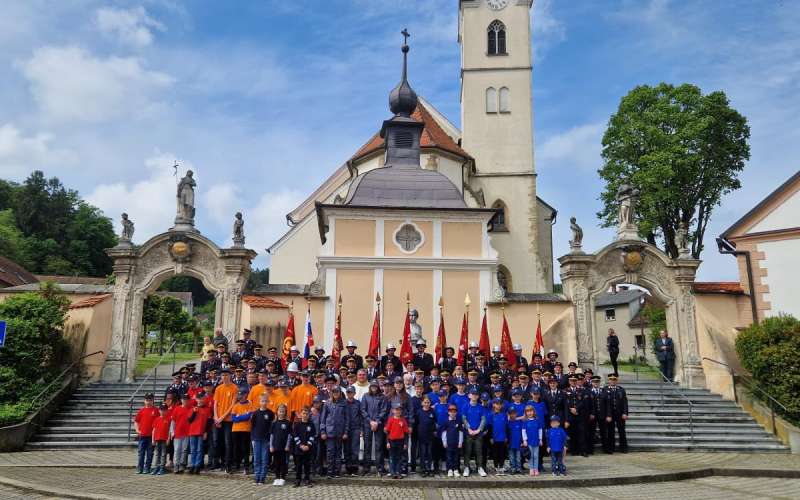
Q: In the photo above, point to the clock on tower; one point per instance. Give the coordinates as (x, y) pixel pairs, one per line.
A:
(496, 4)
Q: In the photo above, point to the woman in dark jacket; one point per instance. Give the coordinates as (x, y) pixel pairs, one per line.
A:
(612, 344)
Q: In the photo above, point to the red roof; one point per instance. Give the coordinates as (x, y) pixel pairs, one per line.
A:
(12, 274)
(717, 287)
(432, 137)
(90, 301)
(259, 301)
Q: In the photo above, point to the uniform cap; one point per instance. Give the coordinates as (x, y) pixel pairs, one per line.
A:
(421, 342)
(473, 344)
(390, 347)
(517, 347)
(474, 391)
(556, 418)
(351, 388)
(292, 367)
(459, 381)
(294, 348)
(496, 348)
(351, 343)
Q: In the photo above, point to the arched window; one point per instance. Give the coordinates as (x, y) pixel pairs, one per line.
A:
(500, 222)
(496, 34)
(504, 278)
(505, 100)
(491, 100)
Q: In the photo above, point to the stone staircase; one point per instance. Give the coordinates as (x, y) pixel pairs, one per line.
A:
(718, 425)
(97, 416)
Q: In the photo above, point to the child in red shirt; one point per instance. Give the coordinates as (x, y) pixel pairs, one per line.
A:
(161, 437)
(396, 430)
(180, 433)
(143, 424)
(198, 420)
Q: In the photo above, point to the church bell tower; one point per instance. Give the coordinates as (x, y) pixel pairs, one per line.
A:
(497, 130)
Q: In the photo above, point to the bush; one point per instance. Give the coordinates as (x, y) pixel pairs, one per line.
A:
(770, 352)
(11, 414)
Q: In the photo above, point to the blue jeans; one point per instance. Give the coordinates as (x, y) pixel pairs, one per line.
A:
(557, 462)
(533, 461)
(396, 453)
(196, 451)
(260, 451)
(145, 454)
(515, 459)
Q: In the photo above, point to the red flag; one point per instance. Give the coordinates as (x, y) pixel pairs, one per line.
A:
(288, 339)
(405, 346)
(375, 339)
(463, 343)
(506, 347)
(483, 345)
(336, 350)
(538, 344)
(441, 338)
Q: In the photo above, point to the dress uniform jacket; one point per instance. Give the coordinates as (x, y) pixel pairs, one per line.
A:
(423, 361)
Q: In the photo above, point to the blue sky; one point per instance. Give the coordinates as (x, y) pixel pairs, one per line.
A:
(264, 99)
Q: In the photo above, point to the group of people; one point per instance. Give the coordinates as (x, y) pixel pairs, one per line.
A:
(246, 412)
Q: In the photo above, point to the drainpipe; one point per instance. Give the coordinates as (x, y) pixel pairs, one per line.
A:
(725, 247)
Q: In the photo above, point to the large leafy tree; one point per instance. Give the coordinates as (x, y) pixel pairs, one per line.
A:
(56, 232)
(683, 150)
(166, 315)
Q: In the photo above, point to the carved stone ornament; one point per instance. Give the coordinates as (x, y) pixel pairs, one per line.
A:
(632, 258)
(180, 249)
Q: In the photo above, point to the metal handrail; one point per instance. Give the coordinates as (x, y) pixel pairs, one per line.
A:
(733, 376)
(689, 401)
(61, 375)
(152, 373)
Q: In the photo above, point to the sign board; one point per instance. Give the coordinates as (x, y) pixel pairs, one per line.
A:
(2, 333)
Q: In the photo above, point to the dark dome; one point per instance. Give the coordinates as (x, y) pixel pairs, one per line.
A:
(404, 187)
(402, 99)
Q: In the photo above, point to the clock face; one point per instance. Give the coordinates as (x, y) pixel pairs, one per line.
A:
(496, 4)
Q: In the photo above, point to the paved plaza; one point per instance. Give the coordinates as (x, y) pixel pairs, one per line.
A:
(109, 474)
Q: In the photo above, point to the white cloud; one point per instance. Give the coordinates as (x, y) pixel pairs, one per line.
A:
(222, 202)
(69, 83)
(266, 222)
(546, 29)
(131, 26)
(150, 202)
(20, 153)
(578, 147)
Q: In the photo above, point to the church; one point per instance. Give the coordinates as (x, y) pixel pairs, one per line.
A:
(428, 210)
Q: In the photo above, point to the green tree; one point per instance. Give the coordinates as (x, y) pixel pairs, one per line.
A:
(166, 315)
(769, 351)
(257, 279)
(683, 150)
(11, 239)
(200, 296)
(656, 318)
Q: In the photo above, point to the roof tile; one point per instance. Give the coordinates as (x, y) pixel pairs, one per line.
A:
(258, 301)
(89, 301)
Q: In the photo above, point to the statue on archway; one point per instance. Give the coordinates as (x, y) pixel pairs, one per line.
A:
(185, 198)
(577, 235)
(627, 196)
(127, 229)
(238, 231)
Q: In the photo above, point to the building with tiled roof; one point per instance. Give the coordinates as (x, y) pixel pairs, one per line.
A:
(12, 274)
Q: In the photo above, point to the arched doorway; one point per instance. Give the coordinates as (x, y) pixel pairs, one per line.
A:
(586, 276)
(139, 270)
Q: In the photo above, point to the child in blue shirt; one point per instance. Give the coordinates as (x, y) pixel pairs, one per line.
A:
(557, 446)
(499, 436)
(532, 432)
(515, 427)
(540, 408)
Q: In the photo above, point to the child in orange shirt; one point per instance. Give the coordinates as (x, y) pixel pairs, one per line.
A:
(240, 414)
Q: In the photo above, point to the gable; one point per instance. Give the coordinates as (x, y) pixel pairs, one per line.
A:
(773, 213)
(784, 216)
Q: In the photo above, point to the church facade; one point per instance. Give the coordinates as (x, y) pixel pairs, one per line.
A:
(490, 161)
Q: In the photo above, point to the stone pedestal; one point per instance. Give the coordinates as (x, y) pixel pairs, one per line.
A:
(113, 371)
(694, 377)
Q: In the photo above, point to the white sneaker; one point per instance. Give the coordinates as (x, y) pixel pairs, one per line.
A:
(466, 471)
(276, 482)
(456, 473)
(450, 473)
(481, 472)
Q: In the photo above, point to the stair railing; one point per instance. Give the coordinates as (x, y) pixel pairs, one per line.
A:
(675, 388)
(152, 374)
(733, 375)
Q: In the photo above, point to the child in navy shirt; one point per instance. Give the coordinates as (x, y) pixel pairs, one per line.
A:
(499, 436)
(515, 426)
(452, 440)
(557, 446)
(425, 426)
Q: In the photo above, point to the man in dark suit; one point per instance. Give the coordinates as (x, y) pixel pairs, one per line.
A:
(422, 360)
(665, 352)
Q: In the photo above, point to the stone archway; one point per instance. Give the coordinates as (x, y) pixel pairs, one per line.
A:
(139, 270)
(585, 276)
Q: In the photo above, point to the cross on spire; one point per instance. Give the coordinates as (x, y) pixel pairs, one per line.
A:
(405, 36)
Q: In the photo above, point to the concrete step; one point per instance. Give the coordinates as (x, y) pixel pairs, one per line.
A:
(83, 445)
(94, 429)
(696, 419)
(41, 438)
(686, 446)
(723, 427)
(700, 438)
(721, 433)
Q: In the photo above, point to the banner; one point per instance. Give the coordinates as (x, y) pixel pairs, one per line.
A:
(463, 343)
(288, 340)
(441, 338)
(506, 347)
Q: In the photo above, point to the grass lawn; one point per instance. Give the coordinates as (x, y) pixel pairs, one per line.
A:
(644, 370)
(144, 365)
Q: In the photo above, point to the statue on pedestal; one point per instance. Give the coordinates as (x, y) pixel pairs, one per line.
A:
(577, 236)
(682, 241)
(416, 330)
(127, 230)
(185, 198)
(627, 196)
(238, 231)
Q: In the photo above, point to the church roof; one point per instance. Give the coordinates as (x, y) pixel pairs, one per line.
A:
(404, 188)
(433, 136)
